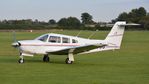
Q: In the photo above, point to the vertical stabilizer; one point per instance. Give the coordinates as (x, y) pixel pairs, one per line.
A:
(115, 36)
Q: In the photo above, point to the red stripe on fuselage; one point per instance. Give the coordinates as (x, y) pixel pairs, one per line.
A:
(49, 44)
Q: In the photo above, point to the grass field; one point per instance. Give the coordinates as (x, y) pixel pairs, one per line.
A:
(129, 65)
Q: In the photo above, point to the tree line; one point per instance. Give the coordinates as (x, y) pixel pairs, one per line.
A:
(63, 23)
(138, 15)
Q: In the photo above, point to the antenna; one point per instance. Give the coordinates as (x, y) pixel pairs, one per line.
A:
(79, 33)
(92, 34)
(14, 36)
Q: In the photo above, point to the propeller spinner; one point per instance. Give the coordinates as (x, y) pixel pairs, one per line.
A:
(15, 43)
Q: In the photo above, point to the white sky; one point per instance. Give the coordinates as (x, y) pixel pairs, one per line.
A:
(43, 10)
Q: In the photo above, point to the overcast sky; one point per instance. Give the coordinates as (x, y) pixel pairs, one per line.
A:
(43, 10)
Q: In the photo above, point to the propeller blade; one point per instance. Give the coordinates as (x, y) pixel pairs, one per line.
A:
(15, 43)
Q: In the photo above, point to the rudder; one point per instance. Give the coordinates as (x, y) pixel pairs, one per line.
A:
(114, 38)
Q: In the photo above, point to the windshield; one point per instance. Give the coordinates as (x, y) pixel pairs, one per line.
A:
(43, 38)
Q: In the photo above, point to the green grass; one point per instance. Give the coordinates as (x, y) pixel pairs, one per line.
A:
(129, 65)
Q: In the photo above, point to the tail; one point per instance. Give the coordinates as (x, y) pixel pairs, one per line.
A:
(115, 36)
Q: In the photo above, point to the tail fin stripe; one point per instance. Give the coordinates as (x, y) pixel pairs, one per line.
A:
(115, 35)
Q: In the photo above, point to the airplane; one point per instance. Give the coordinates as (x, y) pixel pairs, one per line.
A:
(58, 44)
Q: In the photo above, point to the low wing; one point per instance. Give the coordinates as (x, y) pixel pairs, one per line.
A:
(76, 50)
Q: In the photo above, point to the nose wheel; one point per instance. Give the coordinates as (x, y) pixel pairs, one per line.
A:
(21, 60)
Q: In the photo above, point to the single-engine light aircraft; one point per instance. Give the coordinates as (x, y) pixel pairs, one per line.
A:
(59, 44)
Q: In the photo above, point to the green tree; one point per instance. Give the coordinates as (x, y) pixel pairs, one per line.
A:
(70, 22)
(145, 22)
(62, 22)
(141, 12)
(86, 18)
(52, 22)
(134, 15)
(123, 17)
(73, 22)
(36, 21)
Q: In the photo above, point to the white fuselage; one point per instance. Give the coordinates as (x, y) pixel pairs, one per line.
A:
(37, 46)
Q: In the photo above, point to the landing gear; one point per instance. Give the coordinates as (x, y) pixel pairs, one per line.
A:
(46, 58)
(70, 58)
(68, 61)
(21, 60)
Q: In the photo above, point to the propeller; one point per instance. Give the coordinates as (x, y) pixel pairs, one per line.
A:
(15, 43)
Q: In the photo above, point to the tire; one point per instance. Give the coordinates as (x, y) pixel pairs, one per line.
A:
(21, 61)
(46, 58)
(68, 61)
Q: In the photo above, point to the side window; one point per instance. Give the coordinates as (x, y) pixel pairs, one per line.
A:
(65, 40)
(74, 41)
(43, 38)
(54, 39)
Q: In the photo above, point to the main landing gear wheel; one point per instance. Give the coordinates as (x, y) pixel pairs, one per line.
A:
(68, 61)
(21, 60)
(46, 58)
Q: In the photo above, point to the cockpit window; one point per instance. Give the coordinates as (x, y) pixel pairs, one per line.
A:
(54, 39)
(65, 40)
(43, 38)
(74, 41)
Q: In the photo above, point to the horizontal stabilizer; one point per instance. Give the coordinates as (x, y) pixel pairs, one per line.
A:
(129, 24)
